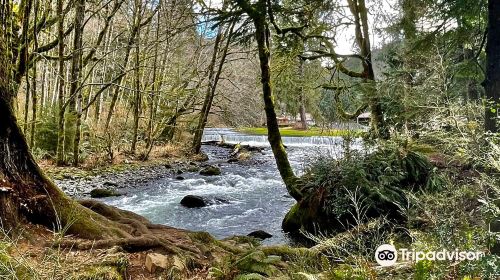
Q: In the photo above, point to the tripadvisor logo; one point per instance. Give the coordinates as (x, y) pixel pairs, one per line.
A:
(387, 255)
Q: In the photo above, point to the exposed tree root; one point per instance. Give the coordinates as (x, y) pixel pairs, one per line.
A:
(143, 234)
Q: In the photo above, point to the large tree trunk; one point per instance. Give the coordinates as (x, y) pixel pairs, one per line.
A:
(492, 82)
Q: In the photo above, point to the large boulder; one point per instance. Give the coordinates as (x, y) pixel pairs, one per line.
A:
(193, 201)
(196, 201)
(210, 171)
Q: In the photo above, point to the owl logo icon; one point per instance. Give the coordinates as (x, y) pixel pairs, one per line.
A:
(386, 255)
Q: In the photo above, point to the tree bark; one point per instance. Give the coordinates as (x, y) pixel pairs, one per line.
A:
(137, 81)
(302, 98)
(360, 13)
(492, 82)
(76, 73)
(60, 160)
(34, 97)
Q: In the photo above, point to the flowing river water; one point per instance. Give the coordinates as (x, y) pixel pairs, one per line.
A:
(257, 196)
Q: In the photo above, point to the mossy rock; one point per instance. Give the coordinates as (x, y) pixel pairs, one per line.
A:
(210, 171)
(101, 193)
(193, 168)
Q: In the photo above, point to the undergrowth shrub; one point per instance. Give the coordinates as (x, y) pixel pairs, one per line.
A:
(364, 185)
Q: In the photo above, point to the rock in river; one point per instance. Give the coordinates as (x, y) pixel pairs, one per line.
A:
(193, 201)
(260, 234)
(99, 193)
(210, 171)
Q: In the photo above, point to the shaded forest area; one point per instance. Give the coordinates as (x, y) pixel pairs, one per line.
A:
(95, 83)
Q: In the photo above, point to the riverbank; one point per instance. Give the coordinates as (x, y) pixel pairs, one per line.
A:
(79, 182)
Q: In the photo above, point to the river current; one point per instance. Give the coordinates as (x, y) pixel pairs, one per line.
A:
(257, 196)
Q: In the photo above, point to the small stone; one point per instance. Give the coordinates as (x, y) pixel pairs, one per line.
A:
(156, 262)
(260, 234)
(219, 200)
(179, 178)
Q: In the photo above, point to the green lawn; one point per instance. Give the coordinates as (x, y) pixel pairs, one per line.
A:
(288, 131)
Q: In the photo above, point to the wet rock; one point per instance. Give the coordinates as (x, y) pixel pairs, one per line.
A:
(193, 169)
(210, 171)
(156, 262)
(218, 200)
(110, 184)
(179, 178)
(260, 234)
(196, 201)
(168, 166)
(99, 193)
(179, 171)
(193, 201)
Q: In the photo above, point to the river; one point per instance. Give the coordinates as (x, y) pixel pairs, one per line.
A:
(257, 196)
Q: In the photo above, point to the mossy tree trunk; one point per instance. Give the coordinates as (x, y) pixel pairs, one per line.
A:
(258, 14)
